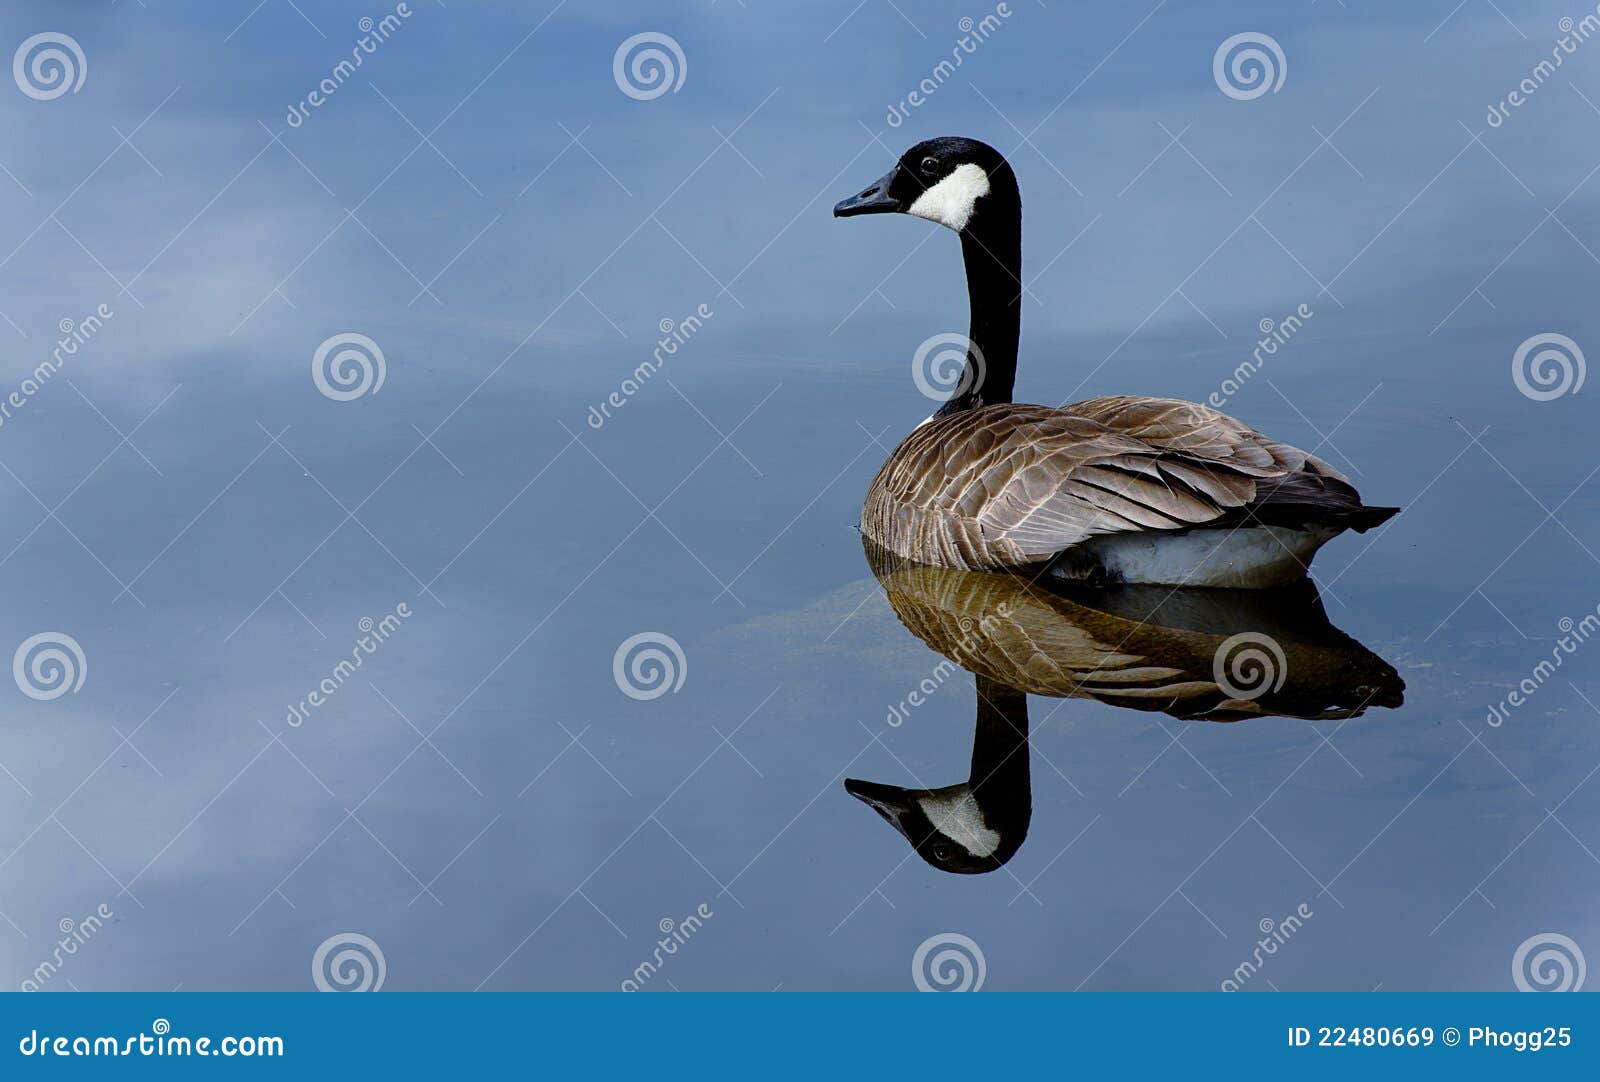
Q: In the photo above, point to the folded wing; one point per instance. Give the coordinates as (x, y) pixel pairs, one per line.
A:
(1036, 480)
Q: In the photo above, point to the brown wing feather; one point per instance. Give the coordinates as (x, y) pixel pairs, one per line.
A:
(1005, 485)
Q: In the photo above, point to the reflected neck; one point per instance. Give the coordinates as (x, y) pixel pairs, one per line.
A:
(991, 249)
(1000, 778)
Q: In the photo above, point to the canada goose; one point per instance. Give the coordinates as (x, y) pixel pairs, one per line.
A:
(1117, 489)
(1137, 647)
(977, 825)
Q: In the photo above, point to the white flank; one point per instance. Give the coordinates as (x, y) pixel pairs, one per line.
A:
(1251, 558)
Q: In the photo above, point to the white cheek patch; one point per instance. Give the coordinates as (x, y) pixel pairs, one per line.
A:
(950, 202)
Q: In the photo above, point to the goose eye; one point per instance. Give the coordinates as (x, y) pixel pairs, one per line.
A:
(929, 166)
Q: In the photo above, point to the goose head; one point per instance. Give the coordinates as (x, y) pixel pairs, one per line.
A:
(977, 825)
(959, 183)
(969, 187)
(952, 828)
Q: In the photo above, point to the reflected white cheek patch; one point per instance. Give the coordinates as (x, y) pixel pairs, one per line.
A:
(950, 201)
(957, 816)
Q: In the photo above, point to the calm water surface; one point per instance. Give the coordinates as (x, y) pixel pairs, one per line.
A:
(482, 798)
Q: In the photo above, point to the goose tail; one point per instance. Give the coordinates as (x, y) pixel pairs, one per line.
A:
(1365, 518)
(1304, 499)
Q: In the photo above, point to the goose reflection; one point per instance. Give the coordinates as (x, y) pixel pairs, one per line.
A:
(1210, 655)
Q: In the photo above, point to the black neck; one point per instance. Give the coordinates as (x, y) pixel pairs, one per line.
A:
(991, 248)
(1000, 776)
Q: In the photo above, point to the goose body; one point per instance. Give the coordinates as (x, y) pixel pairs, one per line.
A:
(1119, 489)
(1122, 489)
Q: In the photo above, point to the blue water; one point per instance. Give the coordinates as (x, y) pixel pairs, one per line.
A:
(481, 798)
